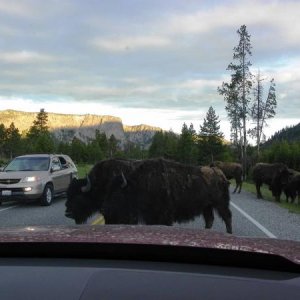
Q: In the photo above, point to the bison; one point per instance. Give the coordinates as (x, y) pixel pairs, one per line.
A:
(292, 189)
(88, 194)
(276, 176)
(231, 170)
(152, 192)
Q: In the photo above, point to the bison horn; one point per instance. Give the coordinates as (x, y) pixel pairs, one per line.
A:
(124, 184)
(86, 188)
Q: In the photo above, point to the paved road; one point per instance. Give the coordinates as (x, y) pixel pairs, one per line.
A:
(257, 218)
(251, 217)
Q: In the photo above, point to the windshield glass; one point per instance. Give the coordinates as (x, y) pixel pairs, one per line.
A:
(166, 112)
(28, 164)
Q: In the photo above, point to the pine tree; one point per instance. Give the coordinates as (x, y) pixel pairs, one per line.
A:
(13, 140)
(112, 146)
(39, 138)
(210, 137)
(164, 144)
(79, 151)
(101, 140)
(157, 148)
(241, 83)
(171, 145)
(94, 151)
(3, 134)
(233, 108)
(187, 151)
(211, 125)
(40, 123)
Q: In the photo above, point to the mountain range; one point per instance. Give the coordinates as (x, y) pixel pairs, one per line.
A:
(67, 126)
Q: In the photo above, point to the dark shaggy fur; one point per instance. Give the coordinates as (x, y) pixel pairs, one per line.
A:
(161, 192)
(276, 176)
(231, 170)
(292, 189)
(81, 205)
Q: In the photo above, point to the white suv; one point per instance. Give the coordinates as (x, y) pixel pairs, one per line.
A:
(36, 176)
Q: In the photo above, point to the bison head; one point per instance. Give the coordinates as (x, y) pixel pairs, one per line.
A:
(80, 205)
(279, 181)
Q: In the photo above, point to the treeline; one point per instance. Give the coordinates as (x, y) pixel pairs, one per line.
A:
(39, 139)
(193, 147)
(189, 147)
(284, 152)
(289, 134)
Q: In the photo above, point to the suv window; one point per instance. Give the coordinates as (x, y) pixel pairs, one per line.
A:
(28, 164)
(63, 162)
(55, 166)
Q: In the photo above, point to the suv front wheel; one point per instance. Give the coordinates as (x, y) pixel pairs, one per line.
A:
(47, 196)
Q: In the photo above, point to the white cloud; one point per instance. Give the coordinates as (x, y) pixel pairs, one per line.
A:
(282, 16)
(34, 10)
(288, 71)
(133, 43)
(176, 60)
(8, 30)
(15, 8)
(24, 57)
(200, 84)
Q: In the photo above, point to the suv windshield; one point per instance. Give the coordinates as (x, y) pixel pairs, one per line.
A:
(28, 164)
(174, 112)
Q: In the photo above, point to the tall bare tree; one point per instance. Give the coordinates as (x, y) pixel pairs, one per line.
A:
(262, 110)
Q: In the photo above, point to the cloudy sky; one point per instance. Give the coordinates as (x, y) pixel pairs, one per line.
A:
(155, 62)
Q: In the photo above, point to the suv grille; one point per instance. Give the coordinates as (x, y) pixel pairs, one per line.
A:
(9, 181)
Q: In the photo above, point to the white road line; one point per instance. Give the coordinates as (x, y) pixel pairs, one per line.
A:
(261, 227)
(3, 209)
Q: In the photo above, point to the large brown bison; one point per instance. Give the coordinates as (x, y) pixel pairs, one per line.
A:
(231, 170)
(153, 192)
(276, 176)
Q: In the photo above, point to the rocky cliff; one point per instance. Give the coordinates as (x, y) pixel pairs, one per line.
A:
(66, 126)
(140, 134)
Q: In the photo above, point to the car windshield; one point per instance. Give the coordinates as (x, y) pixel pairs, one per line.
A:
(28, 164)
(180, 113)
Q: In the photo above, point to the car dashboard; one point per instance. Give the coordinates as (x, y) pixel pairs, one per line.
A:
(114, 271)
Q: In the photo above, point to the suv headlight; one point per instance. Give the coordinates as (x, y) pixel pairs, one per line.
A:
(31, 179)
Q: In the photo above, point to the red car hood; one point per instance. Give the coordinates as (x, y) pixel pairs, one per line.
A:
(150, 235)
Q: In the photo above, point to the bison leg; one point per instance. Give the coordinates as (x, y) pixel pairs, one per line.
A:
(225, 214)
(236, 186)
(208, 217)
(258, 193)
(293, 197)
(277, 195)
(240, 185)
